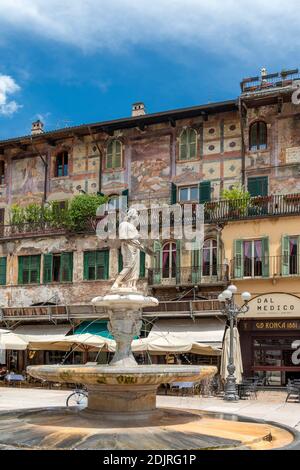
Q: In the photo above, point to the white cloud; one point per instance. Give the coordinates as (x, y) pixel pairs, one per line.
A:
(234, 26)
(8, 86)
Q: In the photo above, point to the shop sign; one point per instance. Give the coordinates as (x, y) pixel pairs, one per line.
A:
(273, 305)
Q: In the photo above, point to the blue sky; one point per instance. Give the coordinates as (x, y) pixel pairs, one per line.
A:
(81, 61)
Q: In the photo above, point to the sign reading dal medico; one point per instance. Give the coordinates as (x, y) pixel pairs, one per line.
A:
(273, 305)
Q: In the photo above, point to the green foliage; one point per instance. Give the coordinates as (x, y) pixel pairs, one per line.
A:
(238, 192)
(239, 198)
(82, 210)
(76, 216)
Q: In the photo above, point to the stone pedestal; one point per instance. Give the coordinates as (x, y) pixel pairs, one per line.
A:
(124, 309)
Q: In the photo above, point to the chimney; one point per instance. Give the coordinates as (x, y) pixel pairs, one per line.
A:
(138, 109)
(37, 127)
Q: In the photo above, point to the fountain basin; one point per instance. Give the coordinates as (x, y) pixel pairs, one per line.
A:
(126, 390)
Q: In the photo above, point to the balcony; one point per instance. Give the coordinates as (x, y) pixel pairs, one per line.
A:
(269, 82)
(284, 266)
(256, 207)
(188, 276)
(28, 230)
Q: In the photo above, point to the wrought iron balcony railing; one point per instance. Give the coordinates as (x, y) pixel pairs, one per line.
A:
(188, 276)
(270, 266)
(255, 207)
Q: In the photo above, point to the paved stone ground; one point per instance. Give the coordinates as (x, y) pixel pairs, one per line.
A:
(269, 406)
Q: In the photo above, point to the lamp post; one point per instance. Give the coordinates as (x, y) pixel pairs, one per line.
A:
(232, 310)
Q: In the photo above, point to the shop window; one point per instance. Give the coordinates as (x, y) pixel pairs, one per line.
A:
(188, 144)
(58, 267)
(258, 136)
(96, 265)
(62, 164)
(29, 269)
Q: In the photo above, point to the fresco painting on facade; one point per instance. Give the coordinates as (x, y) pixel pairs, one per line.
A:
(180, 155)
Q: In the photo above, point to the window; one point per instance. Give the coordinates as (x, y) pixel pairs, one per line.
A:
(189, 193)
(258, 186)
(29, 269)
(96, 265)
(258, 136)
(2, 271)
(210, 258)
(290, 255)
(2, 172)
(251, 258)
(114, 155)
(188, 145)
(58, 267)
(62, 164)
(169, 258)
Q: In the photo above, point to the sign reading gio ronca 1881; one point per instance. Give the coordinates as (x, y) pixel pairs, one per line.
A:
(273, 305)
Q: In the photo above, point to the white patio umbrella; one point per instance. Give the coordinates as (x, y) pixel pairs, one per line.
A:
(237, 355)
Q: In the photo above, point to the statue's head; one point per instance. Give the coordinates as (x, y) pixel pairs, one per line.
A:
(132, 214)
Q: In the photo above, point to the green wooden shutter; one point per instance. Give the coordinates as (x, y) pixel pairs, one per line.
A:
(285, 255)
(142, 264)
(183, 145)
(238, 259)
(192, 144)
(196, 265)
(204, 192)
(157, 263)
(48, 263)
(66, 267)
(178, 261)
(125, 194)
(109, 156)
(3, 271)
(117, 157)
(258, 186)
(120, 260)
(105, 260)
(86, 265)
(35, 268)
(20, 269)
(173, 193)
(265, 257)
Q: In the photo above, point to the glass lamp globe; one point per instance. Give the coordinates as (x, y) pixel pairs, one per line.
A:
(227, 294)
(246, 296)
(232, 288)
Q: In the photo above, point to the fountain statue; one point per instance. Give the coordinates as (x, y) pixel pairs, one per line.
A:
(121, 412)
(123, 387)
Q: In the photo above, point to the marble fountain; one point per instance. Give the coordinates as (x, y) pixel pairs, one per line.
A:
(121, 413)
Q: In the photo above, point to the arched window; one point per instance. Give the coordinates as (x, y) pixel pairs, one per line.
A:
(210, 258)
(258, 136)
(169, 260)
(188, 144)
(62, 164)
(114, 155)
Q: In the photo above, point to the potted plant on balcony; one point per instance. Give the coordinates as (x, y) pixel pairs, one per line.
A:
(237, 201)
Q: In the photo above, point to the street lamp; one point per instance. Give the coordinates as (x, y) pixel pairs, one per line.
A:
(232, 310)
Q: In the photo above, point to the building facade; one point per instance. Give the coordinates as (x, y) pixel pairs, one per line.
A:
(49, 276)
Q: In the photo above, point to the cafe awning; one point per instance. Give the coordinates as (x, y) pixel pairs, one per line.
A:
(200, 336)
(43, 336)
